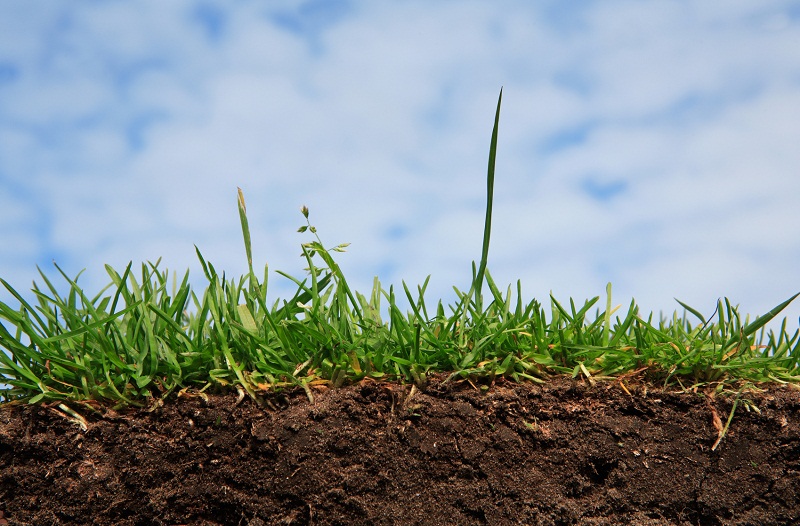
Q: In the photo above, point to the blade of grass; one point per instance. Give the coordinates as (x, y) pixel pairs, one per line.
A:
(487, 227)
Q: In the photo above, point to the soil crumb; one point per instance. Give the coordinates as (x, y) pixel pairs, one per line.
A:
(452, 453)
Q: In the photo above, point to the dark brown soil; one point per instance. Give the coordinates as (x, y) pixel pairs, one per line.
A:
(380, 454)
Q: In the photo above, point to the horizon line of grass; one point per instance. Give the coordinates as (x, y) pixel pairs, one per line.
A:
(142, 339)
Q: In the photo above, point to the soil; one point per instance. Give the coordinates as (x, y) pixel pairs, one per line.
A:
(382, 453)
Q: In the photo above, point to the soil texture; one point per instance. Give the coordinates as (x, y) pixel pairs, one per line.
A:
(453, 453)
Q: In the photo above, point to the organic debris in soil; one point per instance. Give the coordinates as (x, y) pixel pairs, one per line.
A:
(382, 453)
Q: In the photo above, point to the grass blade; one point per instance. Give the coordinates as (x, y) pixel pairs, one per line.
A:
(487, 226)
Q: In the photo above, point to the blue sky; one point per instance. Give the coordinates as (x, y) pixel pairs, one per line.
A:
(650, 144)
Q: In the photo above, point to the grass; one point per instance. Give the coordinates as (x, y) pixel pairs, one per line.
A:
(145, 336)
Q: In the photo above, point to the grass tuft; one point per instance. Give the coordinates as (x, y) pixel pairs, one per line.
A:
(142, 338)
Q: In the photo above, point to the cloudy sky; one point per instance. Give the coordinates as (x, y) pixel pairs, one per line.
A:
(652, 144)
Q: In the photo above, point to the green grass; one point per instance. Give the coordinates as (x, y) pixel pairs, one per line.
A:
(146, 336)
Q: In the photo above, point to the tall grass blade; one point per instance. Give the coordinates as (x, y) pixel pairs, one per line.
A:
(246, 235)
(487, 226)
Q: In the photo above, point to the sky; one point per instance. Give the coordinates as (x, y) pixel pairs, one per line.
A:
(650, 144)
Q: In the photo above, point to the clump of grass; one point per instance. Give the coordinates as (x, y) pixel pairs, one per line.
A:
(143, 337)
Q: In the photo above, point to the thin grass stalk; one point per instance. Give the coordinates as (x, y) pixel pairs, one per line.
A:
(487, 227)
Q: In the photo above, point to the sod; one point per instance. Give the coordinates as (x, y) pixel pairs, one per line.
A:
(151, 403)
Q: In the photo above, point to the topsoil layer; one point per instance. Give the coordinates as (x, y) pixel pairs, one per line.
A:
(376, 454)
